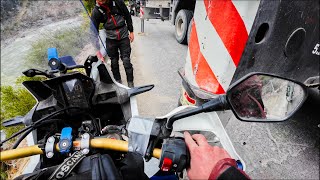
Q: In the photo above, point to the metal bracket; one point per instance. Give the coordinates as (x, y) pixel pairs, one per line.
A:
(50, 147)
(85, 143)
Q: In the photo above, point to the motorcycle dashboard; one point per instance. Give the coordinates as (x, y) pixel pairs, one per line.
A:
(74, 93)
(73, 90)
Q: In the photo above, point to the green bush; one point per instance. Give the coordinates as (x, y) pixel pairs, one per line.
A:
(16, 101)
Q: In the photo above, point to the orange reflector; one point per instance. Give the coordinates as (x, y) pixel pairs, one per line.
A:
(189, 99)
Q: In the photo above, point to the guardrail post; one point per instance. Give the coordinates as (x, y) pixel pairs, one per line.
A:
(142, 25)
(142, 18)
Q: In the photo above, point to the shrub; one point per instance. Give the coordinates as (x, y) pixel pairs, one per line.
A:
(16, 101)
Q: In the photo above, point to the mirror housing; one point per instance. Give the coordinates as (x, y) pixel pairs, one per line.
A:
(262, 97)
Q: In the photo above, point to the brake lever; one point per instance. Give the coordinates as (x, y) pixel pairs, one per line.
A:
(35, 72)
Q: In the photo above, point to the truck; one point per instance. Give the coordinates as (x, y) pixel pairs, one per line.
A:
(178, 12)
(228, 39)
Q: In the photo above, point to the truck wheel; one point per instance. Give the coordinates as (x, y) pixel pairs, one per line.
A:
(189, 30)
(182, 23)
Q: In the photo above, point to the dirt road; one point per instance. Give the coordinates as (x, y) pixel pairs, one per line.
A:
(156, 57)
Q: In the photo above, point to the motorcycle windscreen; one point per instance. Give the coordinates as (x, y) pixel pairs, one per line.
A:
(284, 40)
(69, 32)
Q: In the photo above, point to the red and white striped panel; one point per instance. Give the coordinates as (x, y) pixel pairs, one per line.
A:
(218, 37)
(141, 12)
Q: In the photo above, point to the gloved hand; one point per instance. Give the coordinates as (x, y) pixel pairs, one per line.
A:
(203, 157)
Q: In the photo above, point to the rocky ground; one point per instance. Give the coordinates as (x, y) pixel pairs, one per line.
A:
(19, 15)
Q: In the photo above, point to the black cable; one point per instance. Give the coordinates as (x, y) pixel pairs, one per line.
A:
(18, 141)
(94, 122)
(16, 134)
(35, 123)
(54, 114)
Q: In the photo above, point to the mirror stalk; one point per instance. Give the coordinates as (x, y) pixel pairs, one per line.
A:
(217, 104)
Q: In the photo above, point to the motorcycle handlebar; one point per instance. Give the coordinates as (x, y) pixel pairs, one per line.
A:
(102, 143)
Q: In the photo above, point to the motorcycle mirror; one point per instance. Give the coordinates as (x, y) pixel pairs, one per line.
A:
(13, 121)
(29, 73)
(265, 98)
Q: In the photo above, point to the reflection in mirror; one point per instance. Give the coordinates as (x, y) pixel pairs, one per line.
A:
(264, 97)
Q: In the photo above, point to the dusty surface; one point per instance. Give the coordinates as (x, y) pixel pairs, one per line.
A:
(157, 57)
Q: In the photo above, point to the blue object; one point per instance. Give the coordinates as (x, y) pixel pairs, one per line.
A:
(67, 60)
(168, 177)
(65, 142)
(52, 53)
(162, 175)
(239, 164)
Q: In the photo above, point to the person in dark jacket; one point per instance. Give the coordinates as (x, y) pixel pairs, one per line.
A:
(117, 21)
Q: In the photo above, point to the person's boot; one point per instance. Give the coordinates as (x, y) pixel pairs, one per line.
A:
(130, 84)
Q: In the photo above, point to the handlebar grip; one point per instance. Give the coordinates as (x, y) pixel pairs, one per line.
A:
(117, 145)
(20, 153)
(101, 143)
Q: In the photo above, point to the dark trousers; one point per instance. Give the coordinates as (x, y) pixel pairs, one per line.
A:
(113, 48)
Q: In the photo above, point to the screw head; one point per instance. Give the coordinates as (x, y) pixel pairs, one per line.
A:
(85, 151)
(49, 154)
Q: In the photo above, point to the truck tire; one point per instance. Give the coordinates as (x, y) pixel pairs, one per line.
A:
(189, 30)
(181, 25)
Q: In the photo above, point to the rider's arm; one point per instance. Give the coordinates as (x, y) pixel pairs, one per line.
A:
(227, 169)
(96, 18)
(127, 15)
(210, 162)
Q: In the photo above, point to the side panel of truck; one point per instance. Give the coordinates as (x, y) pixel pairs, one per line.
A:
(218, 37)
(284, 41)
